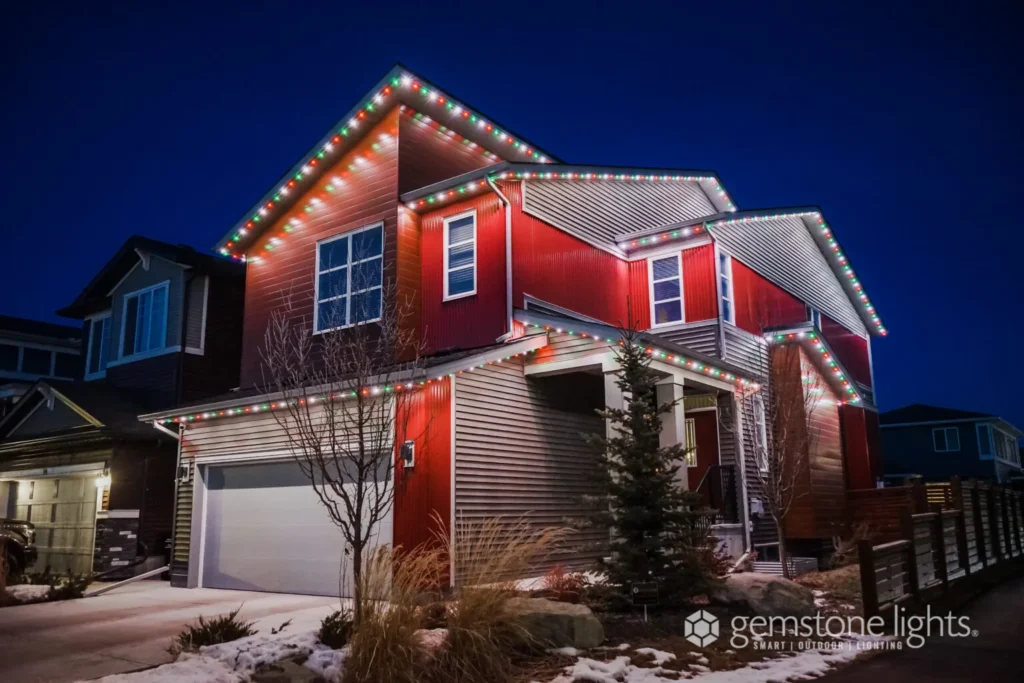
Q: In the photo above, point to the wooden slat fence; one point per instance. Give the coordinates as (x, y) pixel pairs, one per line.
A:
(944, 533)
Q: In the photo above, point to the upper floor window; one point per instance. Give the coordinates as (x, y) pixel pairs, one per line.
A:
(98, 348)
(814, 315)
(36, 361)
(725, 288)
(985, 449)
(349, 277)
(144, 320)
(666, 290)
(946, 439)
(460, 255)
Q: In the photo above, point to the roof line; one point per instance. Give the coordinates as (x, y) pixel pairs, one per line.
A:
(807, 333)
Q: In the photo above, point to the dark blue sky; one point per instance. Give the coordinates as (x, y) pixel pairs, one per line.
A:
(904, 123)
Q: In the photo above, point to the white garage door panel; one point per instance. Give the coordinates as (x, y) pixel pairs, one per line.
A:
(267, 531)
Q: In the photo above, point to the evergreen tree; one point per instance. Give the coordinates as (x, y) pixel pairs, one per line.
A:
(657, 532)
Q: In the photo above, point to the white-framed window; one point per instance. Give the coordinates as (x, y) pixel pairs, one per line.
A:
(30, 361)
(946, 439)
(814, 315)
(691, 442)
(986, 449)
(725, 288)
(761, 449)
(349, 279)
(98, 347)
(144, 320)
(460, 255)
(666, 290)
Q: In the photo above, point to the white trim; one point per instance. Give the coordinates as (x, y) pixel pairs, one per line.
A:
(650, 289)
(451, 526)
(349, 264)
(447, 245)
(121, 281)
(730, 295)
(642, 253)
(58, 471)
(144, 355)
(121, 356)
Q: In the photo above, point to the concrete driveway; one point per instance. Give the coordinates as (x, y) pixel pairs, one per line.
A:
(126, 629)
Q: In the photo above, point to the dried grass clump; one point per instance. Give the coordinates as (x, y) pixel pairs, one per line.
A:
(385, 647)
(484, 640)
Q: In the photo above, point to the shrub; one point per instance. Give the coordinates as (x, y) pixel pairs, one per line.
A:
(844, 550)
(484, 641)
(564, 587)
(222, 629)
(336, 629)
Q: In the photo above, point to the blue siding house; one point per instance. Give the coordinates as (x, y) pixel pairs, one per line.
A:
(937, 443)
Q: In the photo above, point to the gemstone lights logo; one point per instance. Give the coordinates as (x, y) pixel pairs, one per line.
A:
(701, 628)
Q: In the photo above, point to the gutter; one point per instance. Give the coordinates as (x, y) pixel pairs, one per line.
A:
(508, 255)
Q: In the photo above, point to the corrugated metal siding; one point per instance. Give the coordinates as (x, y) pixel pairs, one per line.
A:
(702, 337)
(744, 350)
(409, 269)
(368, 195)
(784, 251)
(553, 266)
(639, 294)
(473, 320)
(597, 211)
(518, 453)
(761, 305)
(427, 154)
(851, 349)
(700, 295)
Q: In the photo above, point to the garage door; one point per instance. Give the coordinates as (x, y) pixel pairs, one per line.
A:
(64, 512)
(267, 531)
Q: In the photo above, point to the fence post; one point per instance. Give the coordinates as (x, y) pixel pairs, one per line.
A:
(868, 580)
(993, 524)
(939, 532)
(979, 527)
(919, 495)
(907, 525)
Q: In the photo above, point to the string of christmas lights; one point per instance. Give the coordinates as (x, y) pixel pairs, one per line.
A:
(817, 345)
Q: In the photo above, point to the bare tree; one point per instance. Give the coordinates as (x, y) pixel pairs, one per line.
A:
(347, 392)
(779, 421)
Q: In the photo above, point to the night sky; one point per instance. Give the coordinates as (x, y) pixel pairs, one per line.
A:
(904, 124)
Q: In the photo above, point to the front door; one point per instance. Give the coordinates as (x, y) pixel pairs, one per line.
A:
(702, 430)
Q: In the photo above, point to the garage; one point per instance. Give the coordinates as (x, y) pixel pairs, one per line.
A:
(265, 530)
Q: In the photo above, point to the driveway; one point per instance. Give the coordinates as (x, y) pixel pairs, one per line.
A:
(126, 629)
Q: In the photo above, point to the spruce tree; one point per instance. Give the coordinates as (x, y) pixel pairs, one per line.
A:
(656, 530)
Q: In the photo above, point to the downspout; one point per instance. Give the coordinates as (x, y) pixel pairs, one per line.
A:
(508, 258)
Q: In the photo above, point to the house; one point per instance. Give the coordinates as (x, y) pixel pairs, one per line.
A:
(74, 459)
(520, 269)
(938, 443)
(31, 350)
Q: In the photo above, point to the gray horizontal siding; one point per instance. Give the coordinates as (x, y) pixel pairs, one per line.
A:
(597, 211)
(195, 301)
(745, 350)
(519, 455)
(701, 337)
(783, 251)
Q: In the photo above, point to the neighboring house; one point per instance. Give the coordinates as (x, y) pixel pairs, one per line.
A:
(938, 443)
(520, 268)
(160, 326)
(32, 350)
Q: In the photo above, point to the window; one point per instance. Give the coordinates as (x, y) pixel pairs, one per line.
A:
(98, 349)
(814, 315)
(349, 276)
(725, 287)
(35, 361)
(985, 449)
(144, 321)
(691, 442)
(460, 256)
(9, 357)
(666, 291)
(946, 439)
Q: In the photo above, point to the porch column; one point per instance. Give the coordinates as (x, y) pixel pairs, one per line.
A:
(673, 422)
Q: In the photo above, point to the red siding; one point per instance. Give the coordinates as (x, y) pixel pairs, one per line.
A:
(859, 474)
(425, 489)
(366, 195)
(640, 294)
(428, 155)
(550, 265)
(760, 304)
(410, 282)
(700, 296)
(705, 426)
(851, 349)
(874, 438)
(474, 320)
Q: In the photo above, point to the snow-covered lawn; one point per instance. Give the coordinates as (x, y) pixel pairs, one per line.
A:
(24, 592)
(799, 665)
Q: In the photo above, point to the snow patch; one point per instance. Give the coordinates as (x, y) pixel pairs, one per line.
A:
(328, 664)
(660, 657)
(567, 651)
(432, 638)
(196, 669)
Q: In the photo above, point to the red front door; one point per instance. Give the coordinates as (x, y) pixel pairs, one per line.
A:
(705, 430)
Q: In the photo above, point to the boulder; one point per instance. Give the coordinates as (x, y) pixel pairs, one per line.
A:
(558, 624)
(765, 595)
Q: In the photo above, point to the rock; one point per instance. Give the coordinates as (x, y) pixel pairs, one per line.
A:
(285, 671)
(765, 595)
(558, 624)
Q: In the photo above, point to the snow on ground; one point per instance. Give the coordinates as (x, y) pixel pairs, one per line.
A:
(798, 666)
(660, 657)
(537, 583)
(24, 592)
